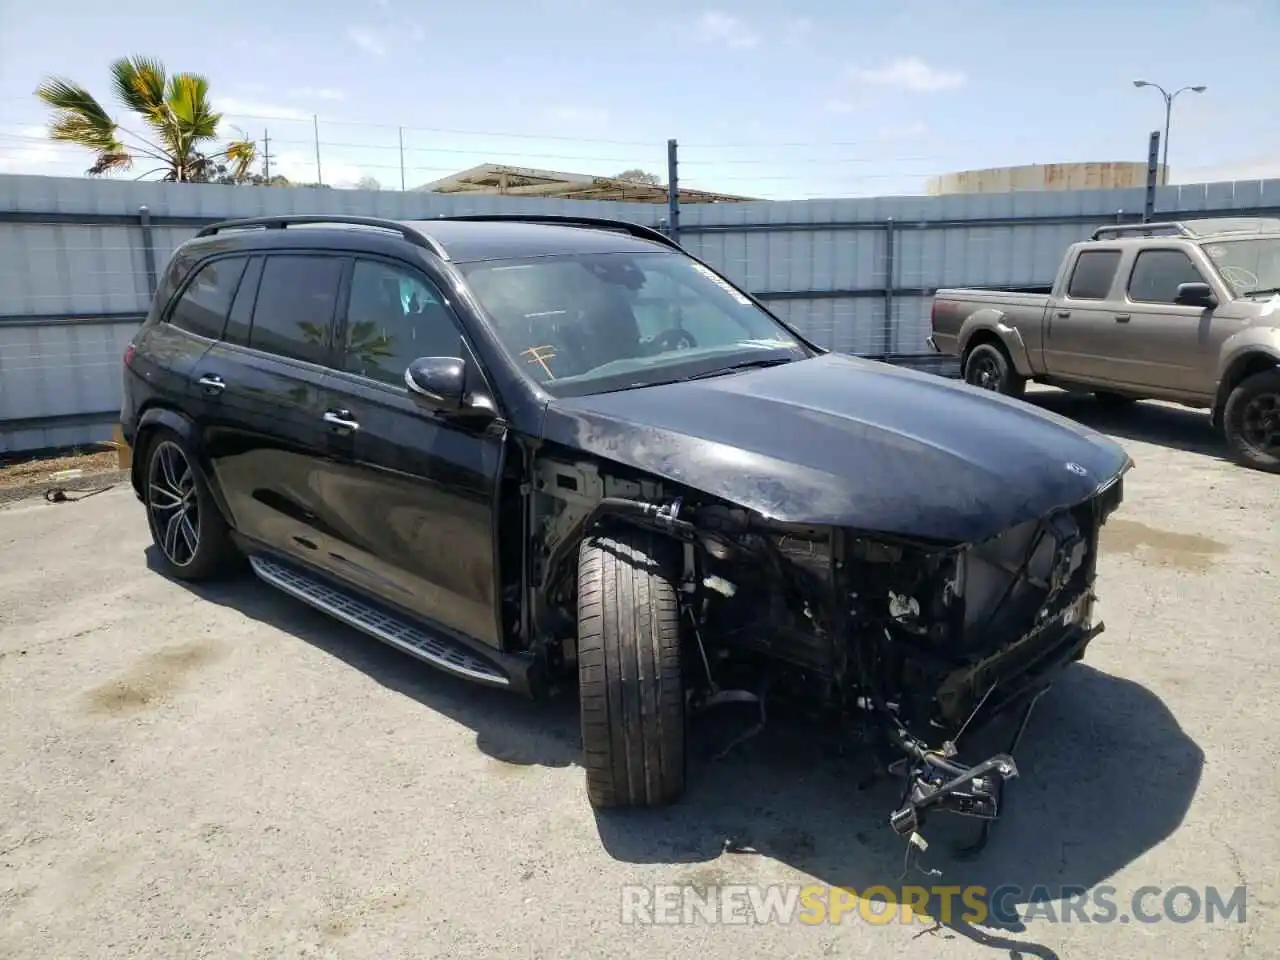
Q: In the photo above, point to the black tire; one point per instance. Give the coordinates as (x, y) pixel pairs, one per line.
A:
(629, 675)
(1252, 412)
(988, 367)
(167, 471)
(1109, 399)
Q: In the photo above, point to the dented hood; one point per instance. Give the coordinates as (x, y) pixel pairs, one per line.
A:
(850, 442)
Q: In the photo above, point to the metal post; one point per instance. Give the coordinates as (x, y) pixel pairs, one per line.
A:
(266, 156)
(890, 237)
(1153, 169)
(148, 247)
(673, 191)
(315, 125)
(1168, 118)
(400, 133)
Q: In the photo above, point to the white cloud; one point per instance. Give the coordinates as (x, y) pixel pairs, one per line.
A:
(367, 39)
(1249, 168)
(798, 28)
(317, 93)
(234, 108)
(910, 73)
(567, 113)
(717, 27)
(30, 151)
(300, 167)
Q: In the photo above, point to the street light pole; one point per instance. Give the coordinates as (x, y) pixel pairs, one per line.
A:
(1168, 118)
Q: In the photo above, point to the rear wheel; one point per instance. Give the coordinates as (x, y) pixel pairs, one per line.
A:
(189, 532)
(629, 674)
(1251, 421)
(989, 368)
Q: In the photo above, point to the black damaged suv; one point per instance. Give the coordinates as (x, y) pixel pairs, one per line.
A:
(533, 450)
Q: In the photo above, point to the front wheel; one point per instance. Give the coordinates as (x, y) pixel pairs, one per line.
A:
(629, 674)
(1251, 421)
(188, 530)
(989, 368)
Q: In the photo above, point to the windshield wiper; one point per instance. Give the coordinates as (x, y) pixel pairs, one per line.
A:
(740, 365)
(1262, 292)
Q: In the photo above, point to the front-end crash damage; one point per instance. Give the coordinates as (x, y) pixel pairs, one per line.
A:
(912, 642)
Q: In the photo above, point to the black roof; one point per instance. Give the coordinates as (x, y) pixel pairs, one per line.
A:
(459, 240)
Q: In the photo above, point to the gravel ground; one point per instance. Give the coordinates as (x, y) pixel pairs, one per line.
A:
(224, 772)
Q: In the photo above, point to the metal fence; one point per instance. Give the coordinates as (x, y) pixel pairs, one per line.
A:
(79, 259)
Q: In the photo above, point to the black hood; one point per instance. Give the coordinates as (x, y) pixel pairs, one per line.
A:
(849, 442)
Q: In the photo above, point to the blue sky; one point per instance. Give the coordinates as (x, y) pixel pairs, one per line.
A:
(817, 98)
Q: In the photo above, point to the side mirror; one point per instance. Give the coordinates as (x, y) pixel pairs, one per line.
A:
(1196, 294)
(438, 382)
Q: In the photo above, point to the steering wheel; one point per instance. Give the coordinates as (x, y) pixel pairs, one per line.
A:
(675, 338)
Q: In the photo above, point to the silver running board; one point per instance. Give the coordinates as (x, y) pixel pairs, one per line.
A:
(388, 628)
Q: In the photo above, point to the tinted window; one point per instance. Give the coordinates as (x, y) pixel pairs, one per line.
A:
(394, 316)
(204, 303)
(1093, 273)
(296, 300)
(1157, 274)
(237, 329)
(585, 322)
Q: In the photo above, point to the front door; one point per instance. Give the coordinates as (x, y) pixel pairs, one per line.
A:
(413, 495)
(1171, 342)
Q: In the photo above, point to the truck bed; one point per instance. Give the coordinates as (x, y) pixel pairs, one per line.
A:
(953, 305)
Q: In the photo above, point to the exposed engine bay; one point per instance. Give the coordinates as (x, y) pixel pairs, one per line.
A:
(913, 644)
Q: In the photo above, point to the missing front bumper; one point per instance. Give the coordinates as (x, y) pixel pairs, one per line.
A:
(938, 782)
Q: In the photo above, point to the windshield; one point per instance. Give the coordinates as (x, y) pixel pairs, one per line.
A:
(1248, 266)
(591, 323)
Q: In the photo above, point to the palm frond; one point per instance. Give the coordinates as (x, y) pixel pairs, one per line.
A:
(240, 157)
(188, 100)
(139, 83)
(78, 118)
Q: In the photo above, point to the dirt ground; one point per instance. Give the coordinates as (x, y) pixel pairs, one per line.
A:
(223, 772)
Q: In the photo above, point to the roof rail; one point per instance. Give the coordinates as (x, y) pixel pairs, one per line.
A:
(598, 223)
(1162, 228)
(416, 237)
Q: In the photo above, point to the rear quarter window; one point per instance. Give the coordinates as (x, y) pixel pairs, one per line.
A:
(203, 305)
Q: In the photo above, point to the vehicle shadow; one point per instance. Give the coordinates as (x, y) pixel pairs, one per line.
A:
(1105, 774)
(1163, 424)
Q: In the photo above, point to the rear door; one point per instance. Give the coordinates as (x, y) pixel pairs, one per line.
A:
(413, 496)
(261, 408)
(1080, 318)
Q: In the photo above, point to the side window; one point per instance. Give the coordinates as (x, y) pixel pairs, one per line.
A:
(1157, 274)
(1091, 278)
(296, 300)
(241, 316)
(394, 317)
(202, 308)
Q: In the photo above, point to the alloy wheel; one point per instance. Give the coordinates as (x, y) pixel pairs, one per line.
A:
(1260, 423)
(173, 504)
(984, 373)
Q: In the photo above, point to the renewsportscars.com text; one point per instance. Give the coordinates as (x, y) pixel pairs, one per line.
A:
(818, 904)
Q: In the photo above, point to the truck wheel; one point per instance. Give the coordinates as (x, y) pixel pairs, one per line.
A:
(1251, 421)
(629, 675)
(988, 367)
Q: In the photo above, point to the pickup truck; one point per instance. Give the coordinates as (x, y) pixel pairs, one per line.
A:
(1186, 311)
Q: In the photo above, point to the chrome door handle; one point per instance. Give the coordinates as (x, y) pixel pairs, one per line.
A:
(212, 383)
(1123, 318)
(341, 421)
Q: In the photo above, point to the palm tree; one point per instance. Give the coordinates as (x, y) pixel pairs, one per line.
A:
(179, 121)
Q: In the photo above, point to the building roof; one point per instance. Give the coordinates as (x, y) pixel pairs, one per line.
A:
(502, 180)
